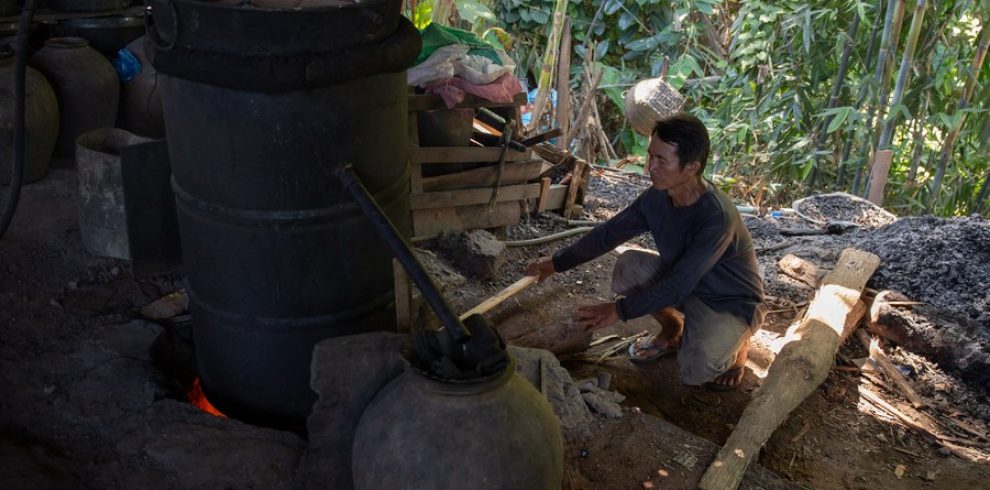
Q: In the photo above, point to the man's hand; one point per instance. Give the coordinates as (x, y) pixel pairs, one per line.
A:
(542, 269)
(596, 317)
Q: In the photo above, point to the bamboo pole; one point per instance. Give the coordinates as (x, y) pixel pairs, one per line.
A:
(919, 141)
(950, 140)
(549, 63)
(833, 100)
(564, 85)
(891, 28)
(864, 90)
(981, 197)
(902, 76)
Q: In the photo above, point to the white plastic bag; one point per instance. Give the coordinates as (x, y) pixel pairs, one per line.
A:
(439, 66)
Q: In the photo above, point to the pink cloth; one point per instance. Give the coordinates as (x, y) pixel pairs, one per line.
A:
(452, 90)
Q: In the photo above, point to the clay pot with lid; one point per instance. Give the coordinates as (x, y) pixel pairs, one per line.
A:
(85, 84)
(141, 98)
(40, 118)
(494, 432)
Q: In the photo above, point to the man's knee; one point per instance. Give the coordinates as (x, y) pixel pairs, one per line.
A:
(699, 367)
(634, 270)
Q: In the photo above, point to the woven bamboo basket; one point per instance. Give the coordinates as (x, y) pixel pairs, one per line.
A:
(649, 101)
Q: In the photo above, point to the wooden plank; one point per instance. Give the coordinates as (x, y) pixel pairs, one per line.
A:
(464, 154)
(544, 195)
(888, 368)
(558, 194)
(464, 197)
(573, 187)
(428, 223)
(403, 298)
(803, 363)
(435, 102)
(512, 173)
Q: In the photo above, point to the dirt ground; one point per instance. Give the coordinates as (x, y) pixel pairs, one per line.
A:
(88, 401)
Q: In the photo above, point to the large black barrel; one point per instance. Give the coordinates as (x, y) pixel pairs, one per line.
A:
(277, 257)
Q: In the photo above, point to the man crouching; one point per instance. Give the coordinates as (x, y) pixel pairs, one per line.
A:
(706, 267)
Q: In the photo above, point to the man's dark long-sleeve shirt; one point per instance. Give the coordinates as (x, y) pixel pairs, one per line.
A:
(705, 250)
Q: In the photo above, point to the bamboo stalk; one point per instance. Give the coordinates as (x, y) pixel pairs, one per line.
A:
(549, 62)
(864, 90)
(833, 100)
(919, 142)
(891, 31)
(981, 197)
(902, 76)
(564, 85)
(950, 139)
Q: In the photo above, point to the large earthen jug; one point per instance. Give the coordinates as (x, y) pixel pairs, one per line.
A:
(40, 121)
(421, 432)
(85, 84)
(141, 98)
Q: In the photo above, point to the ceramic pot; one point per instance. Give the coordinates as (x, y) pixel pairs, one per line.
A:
(40, 118)
(419, 432)
(85, 84)
(141, 98)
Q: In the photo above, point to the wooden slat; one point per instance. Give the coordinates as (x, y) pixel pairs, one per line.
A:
(464, 154)
(428, 223)
(435, 102)
(544, 195)
(464, 197)
(573, 188)
(512, 173)
(558, 193)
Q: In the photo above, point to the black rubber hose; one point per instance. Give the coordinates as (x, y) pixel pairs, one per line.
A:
(20, 69)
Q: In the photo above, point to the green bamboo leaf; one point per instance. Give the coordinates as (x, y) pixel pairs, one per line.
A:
(839, 118)
(626, 20)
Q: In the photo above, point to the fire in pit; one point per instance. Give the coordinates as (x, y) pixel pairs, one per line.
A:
(198, 398)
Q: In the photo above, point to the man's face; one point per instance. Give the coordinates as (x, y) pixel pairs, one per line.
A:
(665, 167)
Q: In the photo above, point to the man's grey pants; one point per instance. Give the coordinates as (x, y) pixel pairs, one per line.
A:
(711, 339)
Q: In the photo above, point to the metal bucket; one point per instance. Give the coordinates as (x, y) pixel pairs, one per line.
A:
(276, 255)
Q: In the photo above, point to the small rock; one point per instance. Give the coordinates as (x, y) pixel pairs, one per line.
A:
(647, 484)
(168, 306)
(899, 471)
(600, 405)
(584, 453)
(930, 475)
(604, 379)
(478, 253)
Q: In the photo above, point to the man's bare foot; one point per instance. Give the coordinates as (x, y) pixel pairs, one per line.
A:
(733, 377)
(672, 327)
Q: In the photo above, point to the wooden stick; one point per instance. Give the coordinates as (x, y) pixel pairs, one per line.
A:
(573, 189)
(889, 370)
(803, 363)
(403, 298)
(502, 295)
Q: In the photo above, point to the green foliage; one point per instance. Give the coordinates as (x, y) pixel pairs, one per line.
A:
(775, 136)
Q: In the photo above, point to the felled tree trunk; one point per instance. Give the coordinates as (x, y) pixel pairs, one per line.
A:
(959, 345)
(803, 363)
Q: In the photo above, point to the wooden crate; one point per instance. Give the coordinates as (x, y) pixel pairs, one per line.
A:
(460, 200)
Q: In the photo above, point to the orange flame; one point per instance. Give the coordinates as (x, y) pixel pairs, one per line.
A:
(196, 397)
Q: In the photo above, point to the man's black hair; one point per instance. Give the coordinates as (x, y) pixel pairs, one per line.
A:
(689, 135)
